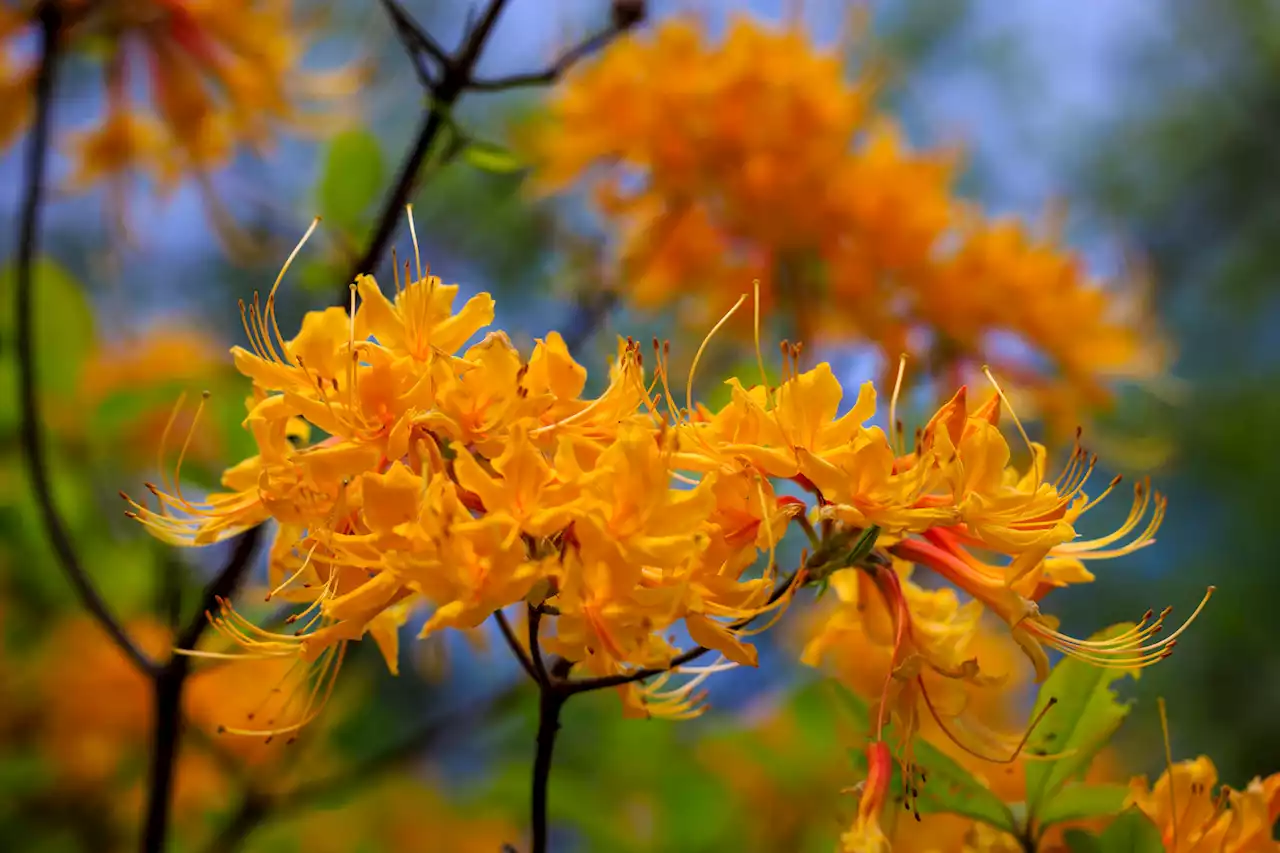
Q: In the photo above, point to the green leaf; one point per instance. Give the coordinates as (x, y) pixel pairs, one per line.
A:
(1084, 717)
(1079, 841)
(863, 546)
(351, 178)
(491, 158)
(853, 705)
(952, 789)
(63, 326)
(1131, 832)
(1080, 802)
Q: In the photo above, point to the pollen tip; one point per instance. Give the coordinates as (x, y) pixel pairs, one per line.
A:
(1115, 481)
(128, 513)
(122, 495)
(222, 730)
(206, 394)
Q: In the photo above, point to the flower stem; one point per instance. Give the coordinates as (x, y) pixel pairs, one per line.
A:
(550, 703)
(50, 17)
(167, 687)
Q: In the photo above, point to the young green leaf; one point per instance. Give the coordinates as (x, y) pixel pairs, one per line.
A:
(351, 179)
(1080, 802)
(853, 705)
(1131, 832)
(1080, 841)
(491, 158)
(950, 788)
(1083, 719)
(63, 328)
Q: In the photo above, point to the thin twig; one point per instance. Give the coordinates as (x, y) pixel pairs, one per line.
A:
(50, 17)
(504, 625)
(416, 39)
(167, 696)
(535, 648)
(552, 72)
(456, 76)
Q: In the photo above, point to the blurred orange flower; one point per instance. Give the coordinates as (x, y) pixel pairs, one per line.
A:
(400, 813)
(221, 75)
(97, 747)
(755, 157)
(163, 359)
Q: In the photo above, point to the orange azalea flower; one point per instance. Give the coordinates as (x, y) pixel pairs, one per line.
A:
(1193, 817)
(466, 480)
(754, 157)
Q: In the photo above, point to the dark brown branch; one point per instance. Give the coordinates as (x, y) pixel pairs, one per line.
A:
(416, 39)
(552, 72)
(550, 703)
(167, 696)
(456, 76)
(33, 450)
(504, 625)
(469, 54)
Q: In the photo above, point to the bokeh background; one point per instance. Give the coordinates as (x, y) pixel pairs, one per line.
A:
(1155, 124)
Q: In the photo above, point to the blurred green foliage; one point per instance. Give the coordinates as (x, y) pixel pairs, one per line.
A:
(1188, 170)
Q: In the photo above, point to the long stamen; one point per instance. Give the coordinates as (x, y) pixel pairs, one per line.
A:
(164, 442)
(1035, 459)
(249, 332)
(1134, 655)
(693, 368)
(764, 376)
(177, 468)
(1026, 736)
(413, 234)
(271, 297)
(1168, 765)
(293, 577)
(893, 405)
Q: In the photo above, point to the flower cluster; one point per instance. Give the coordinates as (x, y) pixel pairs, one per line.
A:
(755, 158)
(1192, 816)
(405, 469)
(220, 76)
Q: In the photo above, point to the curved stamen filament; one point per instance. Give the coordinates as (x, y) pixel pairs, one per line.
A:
(1090, 549)
(697, 357)
(894, 433)
(1026, 736)
(1035, 459)
(1133, 654)
(271, 297)
(164, 441)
